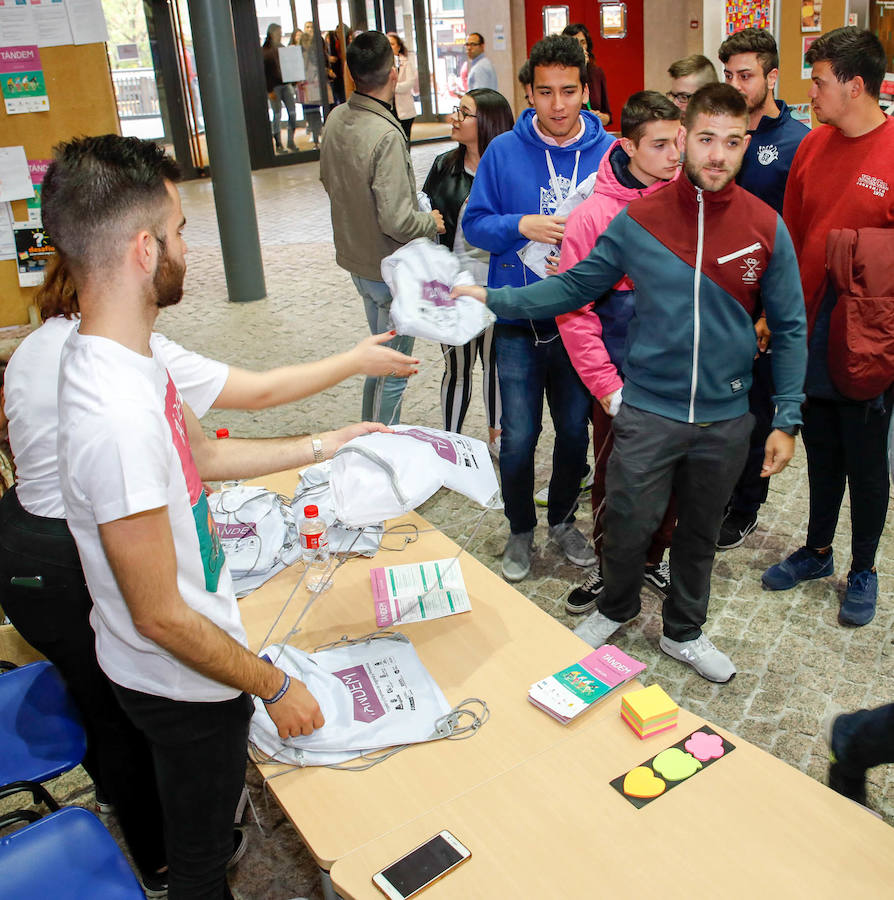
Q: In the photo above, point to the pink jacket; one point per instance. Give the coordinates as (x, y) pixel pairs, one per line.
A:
(581, 330)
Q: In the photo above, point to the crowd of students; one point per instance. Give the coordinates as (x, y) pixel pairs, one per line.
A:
(687, 320)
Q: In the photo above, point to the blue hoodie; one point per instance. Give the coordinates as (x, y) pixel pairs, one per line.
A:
(513, 180)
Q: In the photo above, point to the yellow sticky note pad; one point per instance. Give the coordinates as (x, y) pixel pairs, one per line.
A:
(650, 703)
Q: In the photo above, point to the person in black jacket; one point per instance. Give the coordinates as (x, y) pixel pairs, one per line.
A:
(482, 114)
(278, 94)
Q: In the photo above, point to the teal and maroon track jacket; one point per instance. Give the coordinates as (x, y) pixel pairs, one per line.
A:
(704, 264)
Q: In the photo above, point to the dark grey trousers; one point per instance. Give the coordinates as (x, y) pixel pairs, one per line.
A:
(653, 456)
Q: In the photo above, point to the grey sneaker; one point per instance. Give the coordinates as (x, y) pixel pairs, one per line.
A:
(517, 556)
(596, 629)
(702, 655)
(573, 543)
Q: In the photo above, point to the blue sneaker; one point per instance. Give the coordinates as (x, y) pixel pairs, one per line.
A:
(858, 607)
(803, 565)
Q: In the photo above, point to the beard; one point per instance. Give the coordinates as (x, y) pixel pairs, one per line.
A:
(759, 102)
(167, 282)
(694, 175)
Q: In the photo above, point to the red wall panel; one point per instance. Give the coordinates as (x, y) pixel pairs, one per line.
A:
(621, 58)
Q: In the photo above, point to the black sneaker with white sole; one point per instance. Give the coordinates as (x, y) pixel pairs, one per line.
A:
(735, 528)
(658, 578)
(583, 599)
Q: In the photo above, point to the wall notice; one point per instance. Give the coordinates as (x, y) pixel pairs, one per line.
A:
(21, 80)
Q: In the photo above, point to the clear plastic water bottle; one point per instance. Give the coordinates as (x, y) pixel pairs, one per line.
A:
(315, 550)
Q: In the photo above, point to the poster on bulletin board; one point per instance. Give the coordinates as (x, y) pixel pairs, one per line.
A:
(748, 14)
(811, 15)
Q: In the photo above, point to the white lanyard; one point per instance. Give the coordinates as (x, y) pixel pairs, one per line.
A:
(554, 180)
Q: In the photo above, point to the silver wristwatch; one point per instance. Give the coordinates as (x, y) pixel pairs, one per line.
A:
(317, 445)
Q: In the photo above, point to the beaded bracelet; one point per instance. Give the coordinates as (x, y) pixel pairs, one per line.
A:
(281, 692)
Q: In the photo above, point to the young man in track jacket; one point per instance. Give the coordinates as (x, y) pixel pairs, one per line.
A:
(751, 65)
(703, 254)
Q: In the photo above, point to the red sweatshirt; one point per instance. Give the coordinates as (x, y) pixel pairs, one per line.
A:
(836, 182)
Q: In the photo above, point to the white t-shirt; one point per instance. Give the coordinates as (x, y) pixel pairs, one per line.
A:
(31, 386)
(123, 449)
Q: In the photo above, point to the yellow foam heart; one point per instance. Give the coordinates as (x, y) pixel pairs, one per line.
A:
(642, 782)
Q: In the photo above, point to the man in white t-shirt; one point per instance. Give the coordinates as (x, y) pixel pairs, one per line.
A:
(132, 457)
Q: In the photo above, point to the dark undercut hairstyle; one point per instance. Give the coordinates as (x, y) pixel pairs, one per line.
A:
(370, 60)
(715, 100)
(752, 40)
(644, 107)
(100, 191)
(525, 77)
(851, 52)
(559, 50)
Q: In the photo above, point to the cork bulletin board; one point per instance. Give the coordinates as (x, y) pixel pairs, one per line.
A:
(82, 102)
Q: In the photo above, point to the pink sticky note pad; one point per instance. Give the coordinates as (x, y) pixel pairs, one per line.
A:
(705, 746)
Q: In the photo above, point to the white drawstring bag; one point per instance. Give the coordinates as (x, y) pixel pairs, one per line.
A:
(258, 534)
(383, 475)
(315, 488)
(420, 275)
(534, 254)
(373, 694)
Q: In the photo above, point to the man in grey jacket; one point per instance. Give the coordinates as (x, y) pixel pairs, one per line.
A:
(366, 170)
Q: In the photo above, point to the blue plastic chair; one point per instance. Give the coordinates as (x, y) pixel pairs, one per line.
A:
(40, 731)
(66, 855)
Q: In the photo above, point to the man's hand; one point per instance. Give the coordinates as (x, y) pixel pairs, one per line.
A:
(762, 333)
(470, 290)
(606, 402)
(332, 440)
(542, 229)
(551, 265)
(297, 712)
(369, 358)
(439, 221)
(779, 449)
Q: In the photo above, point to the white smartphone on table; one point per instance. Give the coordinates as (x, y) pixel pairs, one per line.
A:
(420, 867)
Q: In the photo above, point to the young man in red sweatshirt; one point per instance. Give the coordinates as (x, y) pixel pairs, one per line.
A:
(643, 161)
(842, 177)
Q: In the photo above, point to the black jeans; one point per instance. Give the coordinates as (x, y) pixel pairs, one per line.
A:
(847, 443)
(199, 751)
(751, 490)
(864, 739)
(54, 618)
(652, 457)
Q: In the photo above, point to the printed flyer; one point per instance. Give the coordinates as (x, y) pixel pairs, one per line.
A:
(21, 80)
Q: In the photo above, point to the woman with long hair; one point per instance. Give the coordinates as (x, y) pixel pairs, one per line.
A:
(595, 75)
(481, 115)
(278, 94)
(404, 104)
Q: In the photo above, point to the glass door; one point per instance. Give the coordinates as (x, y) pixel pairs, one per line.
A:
(154, 77)
(299, 52)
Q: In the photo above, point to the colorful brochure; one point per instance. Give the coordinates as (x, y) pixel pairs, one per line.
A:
(418, 592)
(565, 695)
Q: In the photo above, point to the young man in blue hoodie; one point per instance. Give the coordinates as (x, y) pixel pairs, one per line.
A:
(751, 65)
(521, 179)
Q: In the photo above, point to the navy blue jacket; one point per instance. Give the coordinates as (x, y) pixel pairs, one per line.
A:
(769, 156)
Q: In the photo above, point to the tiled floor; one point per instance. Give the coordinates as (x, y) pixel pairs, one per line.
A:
(795, 663)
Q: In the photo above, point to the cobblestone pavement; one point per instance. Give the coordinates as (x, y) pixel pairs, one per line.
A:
(795, 663)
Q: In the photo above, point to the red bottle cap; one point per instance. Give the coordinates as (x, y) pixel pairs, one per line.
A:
(311, 512)
(222, 433)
